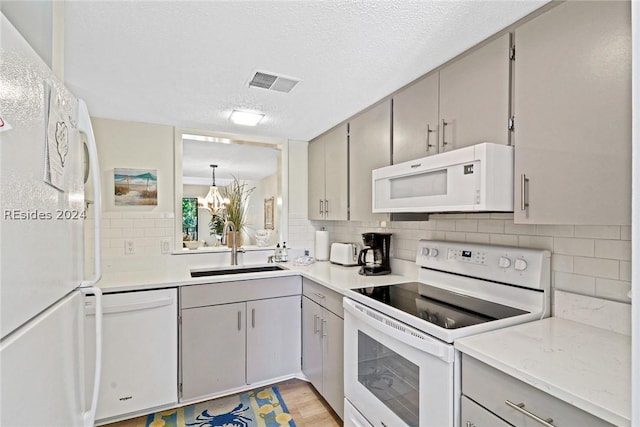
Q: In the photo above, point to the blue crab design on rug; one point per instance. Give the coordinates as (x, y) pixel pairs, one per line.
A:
(258, 408)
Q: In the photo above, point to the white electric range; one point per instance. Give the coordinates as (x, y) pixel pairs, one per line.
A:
(400, 364)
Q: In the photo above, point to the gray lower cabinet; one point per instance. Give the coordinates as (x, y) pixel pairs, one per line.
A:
(322, 343)
(573, 115)
(238, 333)
(502, 400)
(474, 415)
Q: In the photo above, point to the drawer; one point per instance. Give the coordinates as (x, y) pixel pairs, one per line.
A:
(474, 415)
(329, 299)
(240, 290)
(492, 389)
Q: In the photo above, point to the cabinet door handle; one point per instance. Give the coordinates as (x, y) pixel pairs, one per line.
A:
(429, 145)
(546, 422)
(318, 295)
(524, 200)
(326, 206)
(253, 317)
(444, 125)
(239, 320)
(315, 323)
(324, 327)
(321, 206)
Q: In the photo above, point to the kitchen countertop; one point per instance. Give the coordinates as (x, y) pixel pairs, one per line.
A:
(335, 277)
(585, 366)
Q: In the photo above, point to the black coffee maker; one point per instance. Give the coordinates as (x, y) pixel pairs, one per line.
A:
(377, 248)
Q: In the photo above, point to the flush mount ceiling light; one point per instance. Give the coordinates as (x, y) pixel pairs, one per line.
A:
(213, 200)
(245, 118)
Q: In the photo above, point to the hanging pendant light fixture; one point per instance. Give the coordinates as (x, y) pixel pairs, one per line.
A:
(213, 201)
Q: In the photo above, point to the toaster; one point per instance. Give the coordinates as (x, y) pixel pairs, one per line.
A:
(344, 254)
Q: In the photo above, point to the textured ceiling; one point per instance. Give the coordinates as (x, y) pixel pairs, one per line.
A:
(187, 63)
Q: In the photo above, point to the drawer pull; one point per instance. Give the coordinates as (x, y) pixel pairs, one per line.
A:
(318, 295)
(520, 408)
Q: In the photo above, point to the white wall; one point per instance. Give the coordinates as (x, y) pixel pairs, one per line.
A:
(141, 146)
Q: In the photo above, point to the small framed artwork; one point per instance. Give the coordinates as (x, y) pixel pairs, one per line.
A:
(135, 187)
(268, 213)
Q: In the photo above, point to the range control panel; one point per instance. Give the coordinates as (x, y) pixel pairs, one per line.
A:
(467, 255)
(507, 264)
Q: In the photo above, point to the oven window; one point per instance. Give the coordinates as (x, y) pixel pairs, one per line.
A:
(392, 379)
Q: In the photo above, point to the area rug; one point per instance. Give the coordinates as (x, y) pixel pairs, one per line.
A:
(258, 408)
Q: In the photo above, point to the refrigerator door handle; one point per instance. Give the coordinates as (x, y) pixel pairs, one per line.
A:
(84, 126)
(90, 415)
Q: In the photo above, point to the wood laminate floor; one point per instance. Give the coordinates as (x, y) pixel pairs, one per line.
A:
(305, 405)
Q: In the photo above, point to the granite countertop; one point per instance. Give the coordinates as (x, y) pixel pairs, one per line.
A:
(588, 367)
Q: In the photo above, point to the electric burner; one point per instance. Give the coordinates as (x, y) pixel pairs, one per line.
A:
(441, 307)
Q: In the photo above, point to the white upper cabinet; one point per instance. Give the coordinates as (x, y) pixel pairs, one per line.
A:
(474, 97)
(573, 115)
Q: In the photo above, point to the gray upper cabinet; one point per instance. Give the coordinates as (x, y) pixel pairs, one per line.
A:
(464, 103)
(328, 155)
(369, 148)
(415, 120)
(573, 115)
(474, 97)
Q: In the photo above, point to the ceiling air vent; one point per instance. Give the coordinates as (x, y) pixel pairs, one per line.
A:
(273, 82)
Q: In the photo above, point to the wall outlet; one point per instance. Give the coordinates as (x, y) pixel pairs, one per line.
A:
(165, 246)
(129, 247)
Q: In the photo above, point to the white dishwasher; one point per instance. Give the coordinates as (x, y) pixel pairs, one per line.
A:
(140, 351)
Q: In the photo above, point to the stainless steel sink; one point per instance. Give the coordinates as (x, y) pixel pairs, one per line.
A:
(235, 270)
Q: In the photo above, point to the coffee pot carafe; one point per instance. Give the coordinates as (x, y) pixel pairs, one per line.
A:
(374, 257)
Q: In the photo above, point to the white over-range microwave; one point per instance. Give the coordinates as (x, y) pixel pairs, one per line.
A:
(470, 179)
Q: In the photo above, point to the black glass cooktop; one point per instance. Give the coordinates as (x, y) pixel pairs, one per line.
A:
(444, 308)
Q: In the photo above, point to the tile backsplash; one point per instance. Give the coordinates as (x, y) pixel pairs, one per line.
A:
(587, 260)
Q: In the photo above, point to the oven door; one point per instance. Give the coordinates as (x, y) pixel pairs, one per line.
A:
(394, 374)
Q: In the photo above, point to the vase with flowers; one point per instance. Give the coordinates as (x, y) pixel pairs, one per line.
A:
(236, 200)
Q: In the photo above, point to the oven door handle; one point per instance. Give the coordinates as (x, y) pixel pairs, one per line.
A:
(399, 331)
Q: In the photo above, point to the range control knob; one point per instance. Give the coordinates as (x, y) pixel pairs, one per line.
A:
(504, 262)
(520, 265)
(433, 252)
(425, 252)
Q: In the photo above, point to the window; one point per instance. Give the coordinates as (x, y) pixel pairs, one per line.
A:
(189, 219)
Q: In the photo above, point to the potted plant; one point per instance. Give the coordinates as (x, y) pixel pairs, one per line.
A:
(236, 196)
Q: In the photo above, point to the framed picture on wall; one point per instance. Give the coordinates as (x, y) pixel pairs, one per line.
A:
(268, 213)
(135, 187)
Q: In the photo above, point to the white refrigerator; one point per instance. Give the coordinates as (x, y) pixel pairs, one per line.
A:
(47, 152)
